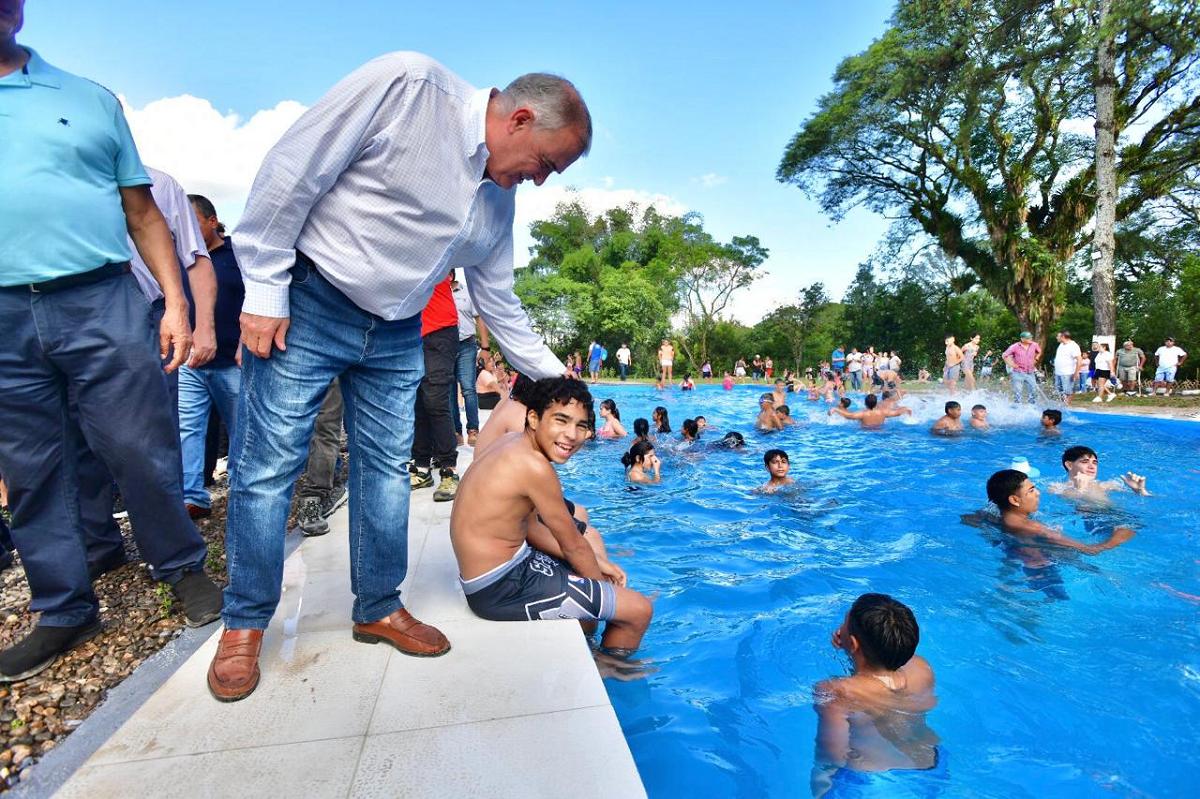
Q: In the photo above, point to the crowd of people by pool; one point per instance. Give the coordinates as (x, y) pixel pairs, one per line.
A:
(133, 326)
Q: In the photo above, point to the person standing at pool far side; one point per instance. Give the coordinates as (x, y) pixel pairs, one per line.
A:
(506, 579)
(1022, 358)
(666, 361)
(837, 359)
(969, 351)
(778, 465)
(1017, 499)
(624, 359)
(1068, 363)
(343, 240)
(874, 720)
(595, 359)
(1170, 358)
(1129, 363)
(953, 369)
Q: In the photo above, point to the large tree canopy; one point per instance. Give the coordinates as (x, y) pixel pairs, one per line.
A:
(958, 121)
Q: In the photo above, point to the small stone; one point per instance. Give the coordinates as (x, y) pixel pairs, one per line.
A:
(20, 752)
(12, 619)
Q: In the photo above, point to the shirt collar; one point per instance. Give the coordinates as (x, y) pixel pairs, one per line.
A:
(38, 71)
(475, 131)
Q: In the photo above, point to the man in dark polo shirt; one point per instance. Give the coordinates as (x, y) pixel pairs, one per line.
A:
(72, 314)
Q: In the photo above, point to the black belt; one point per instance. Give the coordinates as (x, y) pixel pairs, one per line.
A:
(71, 281)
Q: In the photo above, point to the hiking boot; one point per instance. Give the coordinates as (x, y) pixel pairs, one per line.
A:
(333, 499)
(447, 488)
(40, 648)
(309, 517)
(200, 597)
(421, 479)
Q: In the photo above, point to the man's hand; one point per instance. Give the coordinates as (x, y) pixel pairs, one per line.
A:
(259, 333)
(204, 347)
(1136, 482)
(174, 337)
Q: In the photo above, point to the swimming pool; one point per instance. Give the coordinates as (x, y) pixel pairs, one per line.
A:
(1094, 695)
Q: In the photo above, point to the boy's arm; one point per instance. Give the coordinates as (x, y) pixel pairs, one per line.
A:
(840, 411)
(897, 411)
(1028, 527)
(547, 498)
(833, 725)
(1136, 483)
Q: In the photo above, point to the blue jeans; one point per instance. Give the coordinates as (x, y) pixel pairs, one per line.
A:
(464, 371)
(856, 380)
(379, 365)
(624, 369)
(199, 390)
(97, 339)
(1024, 382)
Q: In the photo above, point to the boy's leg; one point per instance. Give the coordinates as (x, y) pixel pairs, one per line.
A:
(625, 629)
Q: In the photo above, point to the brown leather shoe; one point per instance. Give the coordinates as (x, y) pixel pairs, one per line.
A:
(405, 633)
(234, 674)
(197, 512)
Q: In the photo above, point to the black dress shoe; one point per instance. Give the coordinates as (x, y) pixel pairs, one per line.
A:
(200, 597)
(39, 649)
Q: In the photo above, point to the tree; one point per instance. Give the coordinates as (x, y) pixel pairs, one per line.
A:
(1104, 239)
(956, 120)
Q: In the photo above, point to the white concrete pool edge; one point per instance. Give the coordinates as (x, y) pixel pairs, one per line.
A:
(513, 710)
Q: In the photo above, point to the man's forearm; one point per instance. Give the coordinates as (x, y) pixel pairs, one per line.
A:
(202, 279)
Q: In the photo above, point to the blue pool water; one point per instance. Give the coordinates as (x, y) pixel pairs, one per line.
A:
(1094, 695)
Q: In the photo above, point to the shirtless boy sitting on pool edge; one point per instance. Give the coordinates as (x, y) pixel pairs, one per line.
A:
(503, 574)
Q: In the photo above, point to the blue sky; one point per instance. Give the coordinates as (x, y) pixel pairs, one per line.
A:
(692, 101)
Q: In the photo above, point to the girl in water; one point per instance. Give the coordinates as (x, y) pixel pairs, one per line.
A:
(642, 464)
(641, 430)
(662, 424)
(612, 421)
(691, 430)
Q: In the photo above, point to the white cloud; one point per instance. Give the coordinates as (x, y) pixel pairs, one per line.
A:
(208, 152)
(536, 203)
(711, 179)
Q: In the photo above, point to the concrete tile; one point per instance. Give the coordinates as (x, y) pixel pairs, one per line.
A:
(576, 753)
(311, 769)
(315, 686)
(433, 594)
(494, 670)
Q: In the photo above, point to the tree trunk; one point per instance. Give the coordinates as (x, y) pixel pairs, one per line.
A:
(1103, 299)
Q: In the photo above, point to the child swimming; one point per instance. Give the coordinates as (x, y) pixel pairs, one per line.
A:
(979, 419)
(1017, 499)
(874, 415)
(1082, 466)
(642, 464)
(1051, 419)
(612, 421)
(951, 422)
(767, 419)
(784, 414)
(778, 465)
(874, 720)
(662, 422)
(641, 430)
(690, 430)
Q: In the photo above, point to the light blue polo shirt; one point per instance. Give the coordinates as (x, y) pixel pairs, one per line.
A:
(66, 150)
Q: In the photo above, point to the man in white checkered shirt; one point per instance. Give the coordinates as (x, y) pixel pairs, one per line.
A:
(399, 173)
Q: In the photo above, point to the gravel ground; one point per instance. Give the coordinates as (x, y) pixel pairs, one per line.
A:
(140, 617)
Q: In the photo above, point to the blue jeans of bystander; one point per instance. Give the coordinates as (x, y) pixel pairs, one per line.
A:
(464, 372)
(199, 390)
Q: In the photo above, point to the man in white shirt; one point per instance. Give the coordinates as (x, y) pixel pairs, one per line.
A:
(624, 358)
(1170, 358)
(1067, 363)
(854, 365)
(399, 173)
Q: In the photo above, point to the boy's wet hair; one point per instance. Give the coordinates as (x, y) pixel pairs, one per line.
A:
(637, 453)
(1073, 454)
(1054, 415)
(772, 454)
(767, 397)
(733, 439)
(700, 419)
(952, 404)
(1003, 484)
(870, 401)
(845, 402)
(522, 388)
(978, 408)
(641, 427)
(558, 391)
(690, 428)
(778, 380)
(785, 410)
(886, 630)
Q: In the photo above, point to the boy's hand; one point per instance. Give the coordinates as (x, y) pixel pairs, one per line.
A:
(612, 572)
(1136, 482)
(1121, 535)
(836, 638)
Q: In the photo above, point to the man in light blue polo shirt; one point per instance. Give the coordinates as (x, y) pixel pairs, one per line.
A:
(71, 314)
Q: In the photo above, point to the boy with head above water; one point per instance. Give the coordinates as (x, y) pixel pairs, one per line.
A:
(1051, 419)
(874, 720)
(874, 415)
(1082, 466)
(979, 417)
(503, 573)
(1017, 498)
(778, 465)
(950, 423)
(767, 418)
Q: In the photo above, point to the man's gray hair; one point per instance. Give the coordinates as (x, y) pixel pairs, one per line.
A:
(555, 102)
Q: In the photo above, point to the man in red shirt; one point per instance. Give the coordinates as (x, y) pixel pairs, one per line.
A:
(433, 434)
